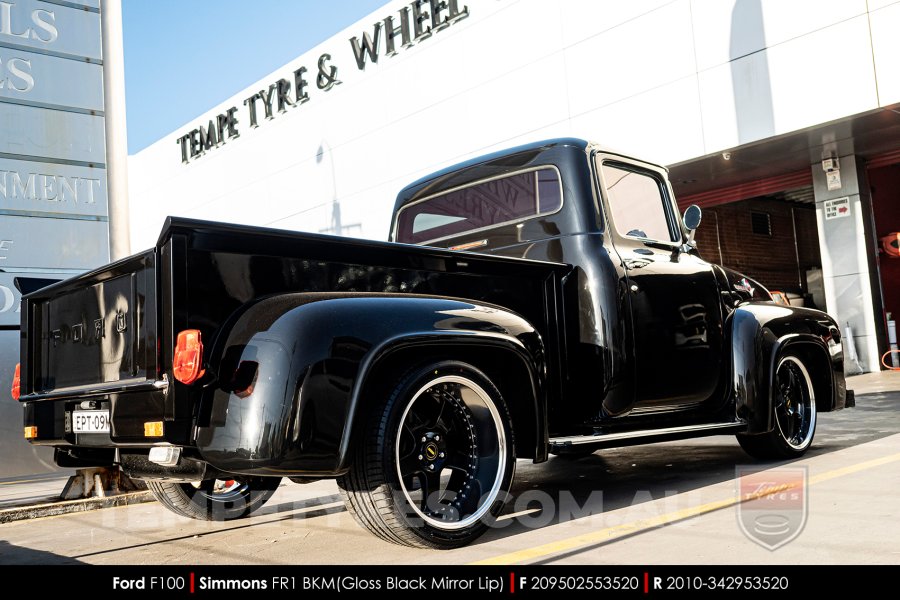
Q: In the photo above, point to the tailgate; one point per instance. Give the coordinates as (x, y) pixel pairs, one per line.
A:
(93, 331)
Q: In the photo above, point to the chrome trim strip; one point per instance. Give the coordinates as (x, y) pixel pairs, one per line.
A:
(575, 440)
(101, 389)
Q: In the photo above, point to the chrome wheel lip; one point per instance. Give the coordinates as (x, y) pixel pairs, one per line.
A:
(492, 494)
(809, 405)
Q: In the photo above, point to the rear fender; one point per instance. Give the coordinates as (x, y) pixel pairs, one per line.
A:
(759, 333)
(315, 357)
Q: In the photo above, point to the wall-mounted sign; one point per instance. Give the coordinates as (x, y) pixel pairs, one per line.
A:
(10, 299)
(33, 188)
(837, 208)
(53, 199)
(50, 80)
(53, 196)
(52, 243)
(51, 28)
(408, 26)
(52, 134)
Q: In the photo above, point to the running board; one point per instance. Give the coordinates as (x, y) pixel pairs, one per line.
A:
(648, 435)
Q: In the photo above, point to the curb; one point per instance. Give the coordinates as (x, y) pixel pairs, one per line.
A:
(50, 509)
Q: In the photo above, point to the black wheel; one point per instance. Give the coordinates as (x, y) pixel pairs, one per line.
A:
(215, 499)
(437, 459)
(795, 415)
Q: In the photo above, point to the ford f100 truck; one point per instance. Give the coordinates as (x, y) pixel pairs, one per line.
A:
(548, 299)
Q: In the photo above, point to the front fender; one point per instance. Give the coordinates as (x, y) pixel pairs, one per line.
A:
(759, 332)
(313, 352)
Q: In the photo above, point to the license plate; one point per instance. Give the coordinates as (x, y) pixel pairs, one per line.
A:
(90, 421)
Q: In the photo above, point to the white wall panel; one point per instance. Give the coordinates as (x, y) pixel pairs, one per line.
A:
(876, 4)
(741, 87)
(514, 37)
(783, 89)
(582, 19)
(806, 91)
(725, 29)
(667, 131)
(637, 56)
(886, 48)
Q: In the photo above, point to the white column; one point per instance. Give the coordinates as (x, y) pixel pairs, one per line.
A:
(847, 265)
(116, 133)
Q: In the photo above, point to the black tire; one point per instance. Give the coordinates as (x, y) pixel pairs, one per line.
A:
(431, 472)
(795, 414)
(215, 499)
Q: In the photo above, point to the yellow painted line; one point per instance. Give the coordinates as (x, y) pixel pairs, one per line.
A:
(618, 531)
(869, 464)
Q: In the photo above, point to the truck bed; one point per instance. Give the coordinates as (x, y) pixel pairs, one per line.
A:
(110, 333)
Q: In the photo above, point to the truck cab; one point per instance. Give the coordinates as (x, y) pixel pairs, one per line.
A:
(651, 313)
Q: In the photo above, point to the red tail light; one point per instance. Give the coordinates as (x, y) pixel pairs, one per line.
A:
(17, 382)
(188, 356)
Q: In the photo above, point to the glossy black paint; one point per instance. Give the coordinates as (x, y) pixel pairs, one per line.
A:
(93, 338)
(313, 356)
(583, 330)
(676, 313)
(759, 333)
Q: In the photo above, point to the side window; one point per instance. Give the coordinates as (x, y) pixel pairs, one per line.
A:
(487, 204)
(637, 203)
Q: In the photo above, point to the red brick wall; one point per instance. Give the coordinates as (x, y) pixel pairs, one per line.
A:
(770, 260)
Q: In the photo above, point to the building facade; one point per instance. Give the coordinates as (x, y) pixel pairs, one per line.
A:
(780, 119)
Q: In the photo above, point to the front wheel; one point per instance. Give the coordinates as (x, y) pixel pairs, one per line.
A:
(795, 415)
(215, 499)
(437, 459)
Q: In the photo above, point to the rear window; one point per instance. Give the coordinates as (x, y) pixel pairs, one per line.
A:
(487, 204)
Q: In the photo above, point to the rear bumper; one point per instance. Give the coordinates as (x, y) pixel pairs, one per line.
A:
(130, 405)
(88, 392)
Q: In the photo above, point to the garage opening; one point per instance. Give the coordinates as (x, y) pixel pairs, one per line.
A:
(885, 186)
(771, 238)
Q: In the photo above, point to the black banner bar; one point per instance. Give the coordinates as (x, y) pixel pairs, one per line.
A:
(408, 580)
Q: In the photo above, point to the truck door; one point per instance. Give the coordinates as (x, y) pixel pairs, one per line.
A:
(676, 313)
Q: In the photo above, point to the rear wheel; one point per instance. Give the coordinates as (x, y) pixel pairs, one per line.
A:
(436, 462)
(795, 415)
(215, 499)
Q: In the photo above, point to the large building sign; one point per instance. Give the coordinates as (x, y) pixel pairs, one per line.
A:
(52, 151)
(408, 26)
(53, 194)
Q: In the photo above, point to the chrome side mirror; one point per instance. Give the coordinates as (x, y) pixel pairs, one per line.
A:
(691, 220)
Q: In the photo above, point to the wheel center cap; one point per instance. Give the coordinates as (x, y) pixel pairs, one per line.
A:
(431, 451)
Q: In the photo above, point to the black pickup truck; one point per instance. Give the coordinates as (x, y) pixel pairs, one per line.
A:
(543, 300)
